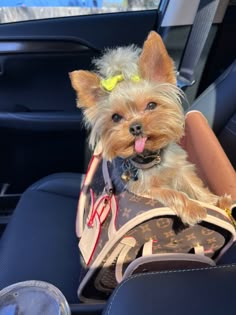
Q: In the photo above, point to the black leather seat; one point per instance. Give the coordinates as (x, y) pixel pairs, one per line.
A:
(218, 105)
(204, 291)
(40, 242)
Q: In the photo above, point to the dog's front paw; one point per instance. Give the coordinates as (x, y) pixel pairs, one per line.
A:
(193, 213)
(225, 202)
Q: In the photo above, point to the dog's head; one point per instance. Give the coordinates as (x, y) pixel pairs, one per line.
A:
(132, 103)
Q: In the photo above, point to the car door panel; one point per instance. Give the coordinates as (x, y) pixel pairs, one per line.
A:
(99, 30)
(42, 129)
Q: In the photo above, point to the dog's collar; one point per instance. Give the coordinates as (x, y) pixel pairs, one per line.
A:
(145, 162)
(131, 166)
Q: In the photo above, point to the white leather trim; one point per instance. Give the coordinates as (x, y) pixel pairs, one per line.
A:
(166, 257)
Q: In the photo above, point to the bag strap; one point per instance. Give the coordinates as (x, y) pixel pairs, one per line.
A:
(107, 178)
(93, 165)
(196, 42)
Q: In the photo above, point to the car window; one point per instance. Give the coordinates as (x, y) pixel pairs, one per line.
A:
(14, 11)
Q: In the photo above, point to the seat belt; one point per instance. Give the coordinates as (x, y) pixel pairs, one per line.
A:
(200, 29)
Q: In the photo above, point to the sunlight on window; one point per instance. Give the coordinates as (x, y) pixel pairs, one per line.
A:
(13, 10)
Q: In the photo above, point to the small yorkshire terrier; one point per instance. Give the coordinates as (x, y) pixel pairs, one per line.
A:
(133, 108)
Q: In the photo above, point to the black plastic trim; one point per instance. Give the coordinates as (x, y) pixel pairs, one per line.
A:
(19, 46)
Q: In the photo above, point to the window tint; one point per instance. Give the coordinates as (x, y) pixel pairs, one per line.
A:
(13, 10)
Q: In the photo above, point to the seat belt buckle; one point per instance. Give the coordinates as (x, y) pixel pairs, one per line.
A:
(183, 83)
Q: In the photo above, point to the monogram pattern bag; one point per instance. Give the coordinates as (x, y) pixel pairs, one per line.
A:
(122, 234)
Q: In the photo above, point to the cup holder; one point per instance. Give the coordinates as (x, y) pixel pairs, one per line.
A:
(33, 297)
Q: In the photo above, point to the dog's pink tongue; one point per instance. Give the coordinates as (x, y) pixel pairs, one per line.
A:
(140, 144)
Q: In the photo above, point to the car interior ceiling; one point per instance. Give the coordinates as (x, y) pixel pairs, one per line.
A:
(55, 137)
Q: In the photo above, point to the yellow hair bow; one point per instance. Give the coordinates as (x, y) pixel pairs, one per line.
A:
(110, 83)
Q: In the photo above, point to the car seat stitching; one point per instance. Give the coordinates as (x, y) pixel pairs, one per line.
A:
(162, 272)
(230, 130)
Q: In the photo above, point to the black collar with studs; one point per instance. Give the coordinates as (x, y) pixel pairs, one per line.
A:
(131, 166)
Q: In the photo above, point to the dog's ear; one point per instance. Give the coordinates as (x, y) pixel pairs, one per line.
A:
(154, 63)
(87, 87)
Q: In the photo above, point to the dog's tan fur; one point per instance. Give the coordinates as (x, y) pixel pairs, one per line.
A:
(174, 182)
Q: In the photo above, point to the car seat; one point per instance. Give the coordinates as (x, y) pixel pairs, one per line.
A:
(218, 105)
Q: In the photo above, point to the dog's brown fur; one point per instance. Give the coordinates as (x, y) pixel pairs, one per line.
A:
(174, 182)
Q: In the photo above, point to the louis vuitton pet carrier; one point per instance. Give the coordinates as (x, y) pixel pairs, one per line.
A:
(122, 234)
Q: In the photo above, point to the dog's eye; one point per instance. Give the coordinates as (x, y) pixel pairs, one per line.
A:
(116, 117)
(151, 106)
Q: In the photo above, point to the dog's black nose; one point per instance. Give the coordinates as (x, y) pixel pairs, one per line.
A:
(136, 129)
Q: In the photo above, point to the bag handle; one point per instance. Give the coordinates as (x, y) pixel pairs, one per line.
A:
(93, 165)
